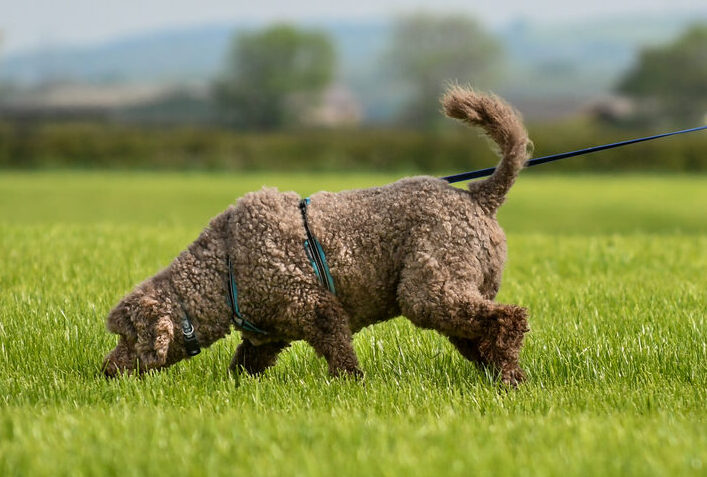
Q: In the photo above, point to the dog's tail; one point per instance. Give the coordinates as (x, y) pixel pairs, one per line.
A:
(502, 124)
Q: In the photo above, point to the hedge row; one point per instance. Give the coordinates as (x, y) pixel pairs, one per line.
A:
(80, 145)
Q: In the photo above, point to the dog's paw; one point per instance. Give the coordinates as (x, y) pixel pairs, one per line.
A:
(113, 369)
(352, 373)
(513, 377)
(110, 370)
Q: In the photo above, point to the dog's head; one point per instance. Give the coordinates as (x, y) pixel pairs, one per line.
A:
(144, 321)
(149, 318)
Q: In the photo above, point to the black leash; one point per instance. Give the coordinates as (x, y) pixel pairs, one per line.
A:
(465, 176)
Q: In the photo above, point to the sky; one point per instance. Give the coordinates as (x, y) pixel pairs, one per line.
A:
(30, 24)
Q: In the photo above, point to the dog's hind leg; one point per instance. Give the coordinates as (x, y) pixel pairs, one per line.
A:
(469, 348)
(501, 338)
(256, 359)
(329, 333)
(507, 366)
(488, 333)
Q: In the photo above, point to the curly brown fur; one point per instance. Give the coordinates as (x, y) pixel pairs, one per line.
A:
(417, 246)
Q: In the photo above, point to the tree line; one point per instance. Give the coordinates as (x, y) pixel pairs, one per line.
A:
(95, 146)
(273, 77)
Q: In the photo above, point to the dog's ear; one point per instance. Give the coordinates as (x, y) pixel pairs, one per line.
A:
(155, 332)
(119, 321)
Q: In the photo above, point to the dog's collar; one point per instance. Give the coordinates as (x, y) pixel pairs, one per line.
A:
(236, 317)
(315, 252)
(191, 342)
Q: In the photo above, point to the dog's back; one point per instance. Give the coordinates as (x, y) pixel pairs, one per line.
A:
(371, 235)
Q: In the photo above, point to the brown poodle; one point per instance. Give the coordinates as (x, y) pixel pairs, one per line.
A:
(417, 247)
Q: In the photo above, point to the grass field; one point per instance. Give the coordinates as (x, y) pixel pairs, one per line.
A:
(613, 270)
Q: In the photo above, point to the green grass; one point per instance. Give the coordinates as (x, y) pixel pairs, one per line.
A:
(611, 268)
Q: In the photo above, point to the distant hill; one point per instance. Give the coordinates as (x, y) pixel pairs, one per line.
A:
(578, 60)
(583, 59)
(172, 55)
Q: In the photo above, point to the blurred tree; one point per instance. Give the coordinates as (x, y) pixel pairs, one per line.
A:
(428, 51)
(672, 80)
(272, 76)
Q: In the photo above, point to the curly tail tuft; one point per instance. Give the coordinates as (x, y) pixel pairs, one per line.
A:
(504, 126)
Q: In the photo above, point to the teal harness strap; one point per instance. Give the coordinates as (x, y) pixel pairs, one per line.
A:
(238, 320)
(315, 252)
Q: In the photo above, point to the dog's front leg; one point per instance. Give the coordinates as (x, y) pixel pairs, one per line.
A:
(256, 359)
(330, 336)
